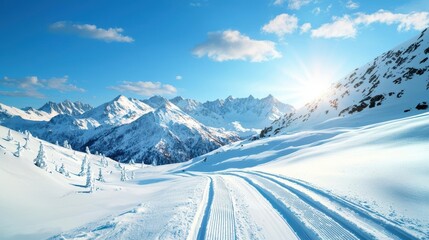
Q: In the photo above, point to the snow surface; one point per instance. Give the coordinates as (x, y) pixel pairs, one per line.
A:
(365, 182)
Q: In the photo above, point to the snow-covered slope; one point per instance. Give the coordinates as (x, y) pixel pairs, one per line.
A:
(242, 115)
(7, 112)
(121, 110)
(394, 85)
(339, 183)
(166, 135)
(66, 107)
(40, 202)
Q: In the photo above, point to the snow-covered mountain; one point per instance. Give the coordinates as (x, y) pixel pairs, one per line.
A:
(66, 107)
(165, 135)
(31, 114)
(119, 111)
(242, 115)
(155, 129)
(393, 85)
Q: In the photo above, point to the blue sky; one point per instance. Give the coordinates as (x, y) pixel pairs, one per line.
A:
(91, 51)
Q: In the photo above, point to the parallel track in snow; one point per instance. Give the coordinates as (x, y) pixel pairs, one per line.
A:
(221, 222)
(376, 220)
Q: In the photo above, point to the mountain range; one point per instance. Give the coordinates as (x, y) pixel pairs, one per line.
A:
(154, 130)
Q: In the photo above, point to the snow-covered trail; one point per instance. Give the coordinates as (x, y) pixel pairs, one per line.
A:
(316, 214)
(244, 205)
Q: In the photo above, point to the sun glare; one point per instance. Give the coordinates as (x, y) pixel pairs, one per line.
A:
(310, 80)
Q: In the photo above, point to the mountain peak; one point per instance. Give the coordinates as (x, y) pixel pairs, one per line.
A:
(65, 107)
(120, 97)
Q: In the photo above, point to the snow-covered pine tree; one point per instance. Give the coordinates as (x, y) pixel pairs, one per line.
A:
(9, 136)
(100, 176)
(26, 144)
(123, 175)
(56, 143)
(132, 161)
(105, 162)
(40, 160)
(62, 169)
(18, 150)
(66, 144)
(88, 176)
(87, 150)
(89, 180)
(154, 162)
(27, 135)
(83, 169)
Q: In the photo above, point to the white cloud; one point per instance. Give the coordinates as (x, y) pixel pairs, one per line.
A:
(305, 27)
(232, 45)
(406, 22)
(293, 4)
(316, 11)
(145, 88)
(178, 77)
(352, 5)
(343, 27)
(30, 86)
(279, 2)
(282, 24)
(346, 27)
(297, 4)
(92, 31)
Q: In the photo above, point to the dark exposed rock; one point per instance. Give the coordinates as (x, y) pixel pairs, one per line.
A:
(397, 81)
(422, 106)
(376, 100)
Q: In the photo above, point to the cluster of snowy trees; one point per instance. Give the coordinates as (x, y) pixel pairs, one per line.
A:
(85, 169)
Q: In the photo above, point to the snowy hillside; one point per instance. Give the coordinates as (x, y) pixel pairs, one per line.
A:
(119, 111)
(308, 185)
(394, 85)
(166, 135)
(31, 114)
(66, 107)
(246, 116)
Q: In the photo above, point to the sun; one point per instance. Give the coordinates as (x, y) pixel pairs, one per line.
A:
(310, 80)
(313, 84)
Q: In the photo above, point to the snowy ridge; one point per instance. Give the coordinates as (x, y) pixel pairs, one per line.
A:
(166, 135)
(393, 85)
(245, 116)
(66, 107)
(119, 111)
(7, 112)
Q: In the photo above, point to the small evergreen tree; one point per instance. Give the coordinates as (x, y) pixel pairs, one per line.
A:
(154, 162)
(106, 162)
(26, 144)
(89, 180)
(18, 150)
(87, 150)
(100, 176)
(62, 170)
(40, 160)
(123, 175)
(56, 143)
(132, 161)
(27, 135)
(83, 169)
(9, 136)
(88, 176)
